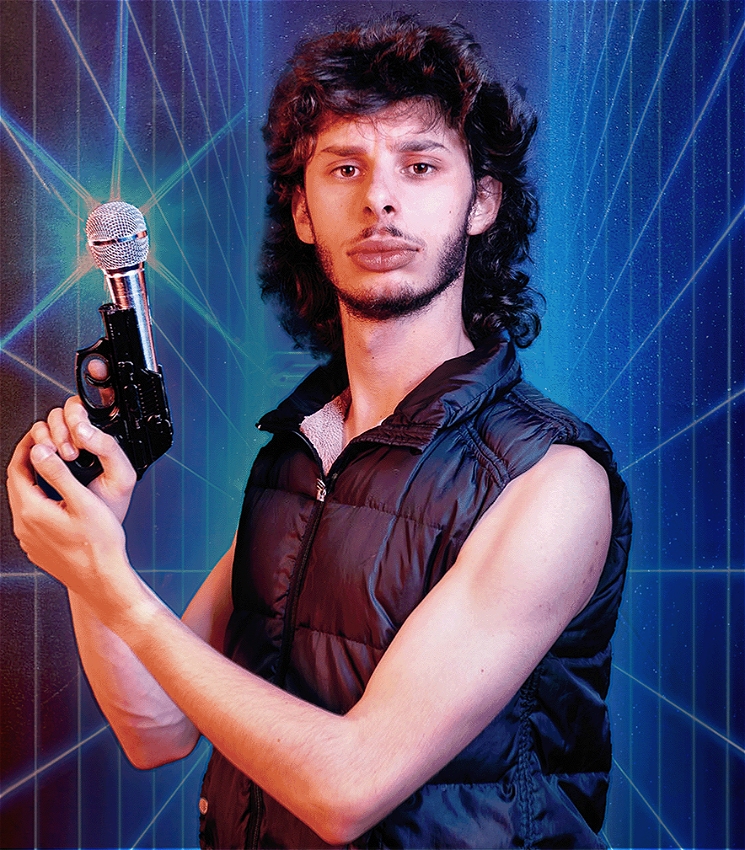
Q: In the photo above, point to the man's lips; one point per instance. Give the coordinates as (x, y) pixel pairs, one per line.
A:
(382, 255)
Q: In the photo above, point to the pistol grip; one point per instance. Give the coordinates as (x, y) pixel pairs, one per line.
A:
(85, 468)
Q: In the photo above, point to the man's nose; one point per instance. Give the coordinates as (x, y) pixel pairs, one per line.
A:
(380, 194)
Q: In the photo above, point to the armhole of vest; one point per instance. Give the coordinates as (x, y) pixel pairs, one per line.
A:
(560, 428)
(567, 425)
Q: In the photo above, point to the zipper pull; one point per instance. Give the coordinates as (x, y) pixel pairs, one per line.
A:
(320, 490)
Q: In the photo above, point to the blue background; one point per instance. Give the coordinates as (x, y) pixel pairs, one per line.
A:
(639, 164)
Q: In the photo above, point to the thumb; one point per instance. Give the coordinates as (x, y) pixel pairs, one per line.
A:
(116, 465)
(54, 471)
(118, 479)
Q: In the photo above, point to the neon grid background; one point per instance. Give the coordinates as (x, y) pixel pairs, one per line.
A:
(639, 165)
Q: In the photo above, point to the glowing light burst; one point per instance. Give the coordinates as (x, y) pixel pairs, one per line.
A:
(32, 152)
(209, 339)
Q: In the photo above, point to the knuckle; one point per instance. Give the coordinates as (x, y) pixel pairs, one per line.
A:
(39, 430)
(20, 523)
(125, 481)
(109, 443)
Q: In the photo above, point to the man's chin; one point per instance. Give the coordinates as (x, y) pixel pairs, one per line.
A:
(381, 307)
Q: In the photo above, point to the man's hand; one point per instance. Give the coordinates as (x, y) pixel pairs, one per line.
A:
(527, 569)
(78, 539)
(67, 430)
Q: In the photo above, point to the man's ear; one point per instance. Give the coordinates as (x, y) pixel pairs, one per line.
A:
(301, 217)
(485, 205)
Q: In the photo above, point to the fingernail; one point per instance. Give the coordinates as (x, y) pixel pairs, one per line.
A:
(67, 451)
(85, 430)
(41, 452)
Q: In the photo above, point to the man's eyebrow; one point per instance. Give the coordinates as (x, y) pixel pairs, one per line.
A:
(343, 150)
(405, 146)
(419, 145)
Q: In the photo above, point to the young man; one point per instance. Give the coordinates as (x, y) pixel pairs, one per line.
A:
(408, 643)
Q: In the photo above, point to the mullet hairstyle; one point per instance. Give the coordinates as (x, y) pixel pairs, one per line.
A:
(358, 71)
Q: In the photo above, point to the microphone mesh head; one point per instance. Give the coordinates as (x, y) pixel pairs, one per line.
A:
(117, 236)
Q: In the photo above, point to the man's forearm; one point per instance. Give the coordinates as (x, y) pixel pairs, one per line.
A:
(150, 727)
(303, 756)
(524, 573)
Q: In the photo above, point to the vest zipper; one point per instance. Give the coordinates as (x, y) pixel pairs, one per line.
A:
(320, 490)
(296, 582)
(256, 801)
(255, 806)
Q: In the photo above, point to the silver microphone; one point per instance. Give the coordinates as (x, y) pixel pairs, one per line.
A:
(118, 377)
(118, 243)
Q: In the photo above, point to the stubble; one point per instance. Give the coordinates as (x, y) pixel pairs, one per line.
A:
(406, 300)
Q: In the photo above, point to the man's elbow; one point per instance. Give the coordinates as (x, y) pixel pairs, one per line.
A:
(339, 828)
(347, 813)
(149, 752)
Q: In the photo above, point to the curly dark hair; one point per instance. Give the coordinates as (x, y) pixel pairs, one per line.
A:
(359, 70)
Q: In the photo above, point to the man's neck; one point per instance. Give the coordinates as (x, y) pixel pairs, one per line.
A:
(388, 359)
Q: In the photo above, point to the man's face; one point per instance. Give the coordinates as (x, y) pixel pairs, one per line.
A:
(389, 203)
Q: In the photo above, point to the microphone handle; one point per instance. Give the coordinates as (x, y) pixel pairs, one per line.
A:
(127, 288)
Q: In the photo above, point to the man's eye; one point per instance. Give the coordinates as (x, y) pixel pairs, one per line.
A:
(347, 170)
(421, 168)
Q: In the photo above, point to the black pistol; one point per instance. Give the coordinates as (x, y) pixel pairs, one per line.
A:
(119, 380)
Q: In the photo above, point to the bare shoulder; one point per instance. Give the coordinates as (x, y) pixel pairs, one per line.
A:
(549, 530)
(566, 481)
(568, 467)
(529, 566)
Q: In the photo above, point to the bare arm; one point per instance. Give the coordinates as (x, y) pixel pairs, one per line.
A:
(148, 724)
(151, 728)
(530, 565)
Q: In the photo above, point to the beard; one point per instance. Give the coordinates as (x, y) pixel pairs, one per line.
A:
(407, 300)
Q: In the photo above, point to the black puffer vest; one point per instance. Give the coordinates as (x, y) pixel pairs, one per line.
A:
(327, 568)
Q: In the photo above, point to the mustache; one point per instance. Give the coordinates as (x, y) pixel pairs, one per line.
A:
(377, 231)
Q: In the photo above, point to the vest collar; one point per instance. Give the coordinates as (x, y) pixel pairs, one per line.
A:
(450, 392)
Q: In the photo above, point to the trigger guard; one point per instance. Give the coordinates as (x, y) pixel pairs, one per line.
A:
(90, 379)
(100, 407)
